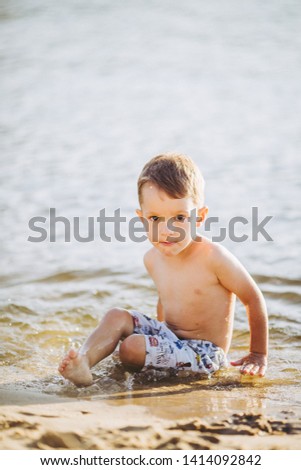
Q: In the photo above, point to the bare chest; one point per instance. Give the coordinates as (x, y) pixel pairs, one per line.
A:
(184, 283)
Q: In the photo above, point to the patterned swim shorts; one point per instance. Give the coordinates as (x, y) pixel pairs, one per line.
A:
(165, 350)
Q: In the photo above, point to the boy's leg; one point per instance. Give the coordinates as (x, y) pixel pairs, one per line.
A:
(116, 324)
(132, 352)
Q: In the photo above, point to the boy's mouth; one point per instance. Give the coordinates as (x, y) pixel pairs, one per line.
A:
(168, 243)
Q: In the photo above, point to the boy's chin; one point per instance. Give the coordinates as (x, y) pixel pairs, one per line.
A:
(171, 249)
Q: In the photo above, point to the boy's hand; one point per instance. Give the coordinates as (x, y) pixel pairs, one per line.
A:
(252, 364)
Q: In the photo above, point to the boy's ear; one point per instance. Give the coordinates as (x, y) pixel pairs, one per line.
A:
(202, 214)
(139, 213)
(142, 218)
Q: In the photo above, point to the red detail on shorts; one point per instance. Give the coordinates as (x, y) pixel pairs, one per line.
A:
(153, 341)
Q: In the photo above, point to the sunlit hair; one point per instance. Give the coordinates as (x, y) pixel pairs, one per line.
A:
(176, 174)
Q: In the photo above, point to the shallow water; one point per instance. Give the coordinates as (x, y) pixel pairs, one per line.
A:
(88, 94)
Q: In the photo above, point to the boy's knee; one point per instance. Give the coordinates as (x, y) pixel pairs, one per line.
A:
(117, 312)
(121, 318)
(132, 351)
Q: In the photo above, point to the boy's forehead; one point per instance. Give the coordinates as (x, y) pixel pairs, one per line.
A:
(152, 197)
(151, 191)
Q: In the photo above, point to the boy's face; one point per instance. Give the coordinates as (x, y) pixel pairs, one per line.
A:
(170, 223)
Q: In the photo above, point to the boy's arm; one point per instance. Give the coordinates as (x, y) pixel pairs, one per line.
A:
(160, 313)
(234, 277)
(148, 262)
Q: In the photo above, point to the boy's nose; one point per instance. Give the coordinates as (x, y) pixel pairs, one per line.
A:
(166, 229)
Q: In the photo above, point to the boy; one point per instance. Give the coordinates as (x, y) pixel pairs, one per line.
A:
(197, 283)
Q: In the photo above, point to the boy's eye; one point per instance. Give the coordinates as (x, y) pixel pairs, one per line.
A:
(180, 218)
(177, 218)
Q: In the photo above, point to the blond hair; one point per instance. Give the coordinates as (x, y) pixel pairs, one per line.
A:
(176, 174)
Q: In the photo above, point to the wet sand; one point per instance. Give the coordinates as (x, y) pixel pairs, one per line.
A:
(40, 421)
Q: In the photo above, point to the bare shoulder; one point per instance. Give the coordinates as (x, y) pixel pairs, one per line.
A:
(226, 266)
(218, 255)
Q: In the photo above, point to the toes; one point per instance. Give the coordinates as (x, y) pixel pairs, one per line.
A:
(67, 361)
(72, 354)
(63, 365)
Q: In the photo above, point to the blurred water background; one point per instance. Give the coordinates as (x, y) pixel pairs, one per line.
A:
(89, 92)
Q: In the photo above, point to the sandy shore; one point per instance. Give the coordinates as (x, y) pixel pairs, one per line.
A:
(40, 421)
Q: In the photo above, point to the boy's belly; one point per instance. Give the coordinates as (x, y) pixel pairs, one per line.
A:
(220, 340)
(203, 317)
(215, 327)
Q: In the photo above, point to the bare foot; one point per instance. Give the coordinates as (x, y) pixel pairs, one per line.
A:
(75, 367)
